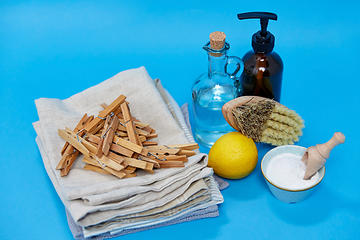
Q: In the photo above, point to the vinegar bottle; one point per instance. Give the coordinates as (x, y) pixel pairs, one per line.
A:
(213, 89)
(263, 68)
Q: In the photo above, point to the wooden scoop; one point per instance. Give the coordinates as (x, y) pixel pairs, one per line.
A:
(315, 156)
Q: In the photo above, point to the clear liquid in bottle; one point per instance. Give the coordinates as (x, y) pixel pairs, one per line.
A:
(209, 122)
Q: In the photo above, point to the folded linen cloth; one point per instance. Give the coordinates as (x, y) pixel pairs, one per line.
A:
(79, 209)
(208, 212)
(173, 183)
(81, 184)
(190, 200)
(78, 231)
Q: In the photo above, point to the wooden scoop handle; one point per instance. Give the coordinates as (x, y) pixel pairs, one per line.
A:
(325, 148)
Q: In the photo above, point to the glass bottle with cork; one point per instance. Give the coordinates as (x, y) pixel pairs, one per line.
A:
(213, 89)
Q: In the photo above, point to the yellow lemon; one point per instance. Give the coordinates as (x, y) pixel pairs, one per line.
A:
(233, 156)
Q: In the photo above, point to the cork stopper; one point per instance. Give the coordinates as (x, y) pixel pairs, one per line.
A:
(217, 42)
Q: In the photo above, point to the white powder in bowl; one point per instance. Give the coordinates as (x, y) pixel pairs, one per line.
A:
(286, 170)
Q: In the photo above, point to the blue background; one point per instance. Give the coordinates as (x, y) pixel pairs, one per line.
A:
(58, 48)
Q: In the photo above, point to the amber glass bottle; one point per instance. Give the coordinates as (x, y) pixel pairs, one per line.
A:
(262, 75)
(263, 68)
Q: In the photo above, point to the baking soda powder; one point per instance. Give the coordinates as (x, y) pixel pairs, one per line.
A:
(286, 170)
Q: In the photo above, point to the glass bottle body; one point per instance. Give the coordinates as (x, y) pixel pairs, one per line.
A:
(262, 75)
(210, 92)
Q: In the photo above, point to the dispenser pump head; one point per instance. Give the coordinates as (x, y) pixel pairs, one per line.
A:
(263, 40)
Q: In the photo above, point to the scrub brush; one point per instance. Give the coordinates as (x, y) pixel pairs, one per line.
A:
(264, 120)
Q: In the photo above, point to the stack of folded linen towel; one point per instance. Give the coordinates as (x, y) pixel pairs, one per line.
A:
(100, 205)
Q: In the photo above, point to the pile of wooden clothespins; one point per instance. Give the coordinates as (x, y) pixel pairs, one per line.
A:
(114, 142)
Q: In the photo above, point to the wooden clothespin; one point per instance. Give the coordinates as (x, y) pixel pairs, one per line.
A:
(129, 124)
(68, 152)
(121, 150)
(114, 147)
(163, 150)
(151, 135)
(142, 132)
(99, 151)
(182, 158)
(143, 158)
(115, 157)
(104, 113)
(121, 126)
(188, 146)
(110, 133)
(131, 146)
(76, 143)
(149, 143)
(96, 163)
(139, 164)
(185, 149)
(108, 162)
(93, 168)
(85, 119)
(88, 146)
(170, 164)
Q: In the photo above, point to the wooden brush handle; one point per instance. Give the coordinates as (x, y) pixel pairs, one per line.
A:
(325, 148)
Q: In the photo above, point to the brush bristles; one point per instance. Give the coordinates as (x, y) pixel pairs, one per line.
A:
(251, 118)
(265, 121)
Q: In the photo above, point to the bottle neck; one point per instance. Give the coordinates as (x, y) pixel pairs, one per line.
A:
(216, 63)
(217, 59)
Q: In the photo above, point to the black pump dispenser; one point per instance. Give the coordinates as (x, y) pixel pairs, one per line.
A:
(263, 40)
(263, 68)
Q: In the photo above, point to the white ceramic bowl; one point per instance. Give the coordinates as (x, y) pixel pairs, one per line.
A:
(283, 194)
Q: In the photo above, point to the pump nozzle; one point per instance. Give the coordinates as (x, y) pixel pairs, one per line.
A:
(263, 41)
